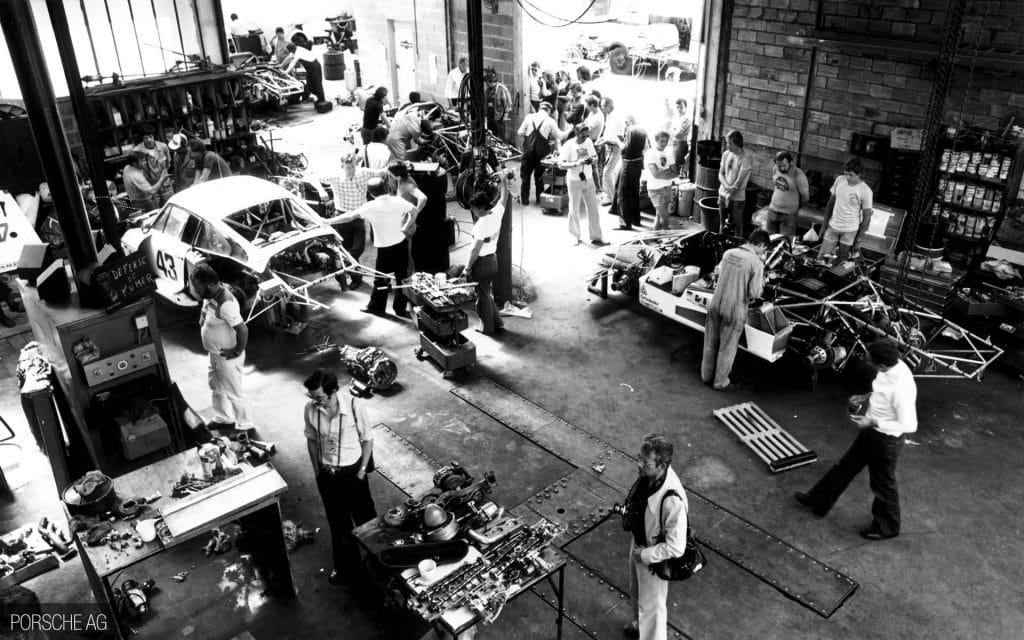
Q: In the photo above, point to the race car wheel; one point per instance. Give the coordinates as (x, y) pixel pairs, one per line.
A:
(619, 62)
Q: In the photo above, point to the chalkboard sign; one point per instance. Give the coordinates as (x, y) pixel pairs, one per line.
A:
(124, 280)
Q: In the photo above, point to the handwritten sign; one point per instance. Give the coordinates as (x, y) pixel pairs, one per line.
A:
(906, 139)
(125, 280)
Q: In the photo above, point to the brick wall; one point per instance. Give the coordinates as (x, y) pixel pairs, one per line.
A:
(851, 90)
(498, 39)
(428, 21)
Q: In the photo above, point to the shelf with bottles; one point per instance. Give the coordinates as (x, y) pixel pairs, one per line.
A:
(991, 168)
(970, 196)
(965, 226)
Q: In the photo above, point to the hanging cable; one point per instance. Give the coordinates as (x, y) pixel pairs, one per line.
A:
(577, 20)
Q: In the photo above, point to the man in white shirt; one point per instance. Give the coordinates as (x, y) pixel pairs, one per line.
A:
(303, 52)
(612, 139)
(340, 445)
(376, 154)
(577, 157)
(891, 414)
(482, 264)
(348, 188)
(454, 82)
(539, 134)
(224, 336)
(848, 212)
(732, 191)
(391, 218)
(661, 170)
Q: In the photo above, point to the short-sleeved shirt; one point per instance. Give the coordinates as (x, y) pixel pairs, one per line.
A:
(573, 151)
(138, 187)
(453, 83)
(851, 200)
(596, 123)
(385, 215)
(661, 159)
(733, 164)
(218, 322)
(788, 189)
(302, 54)
(614, 127)
(371, 113)
(487, 229)
(339, 437)
(350, 193)
(219, 168)
(158, 159)
(375, 155)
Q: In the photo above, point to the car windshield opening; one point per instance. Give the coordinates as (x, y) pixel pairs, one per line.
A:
(269, 221)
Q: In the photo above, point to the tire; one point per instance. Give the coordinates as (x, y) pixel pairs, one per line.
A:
(619, 62)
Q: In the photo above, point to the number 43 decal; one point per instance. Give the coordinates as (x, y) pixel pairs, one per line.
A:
(165, 263)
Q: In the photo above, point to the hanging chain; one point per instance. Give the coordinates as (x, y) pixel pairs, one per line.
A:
(952, 34)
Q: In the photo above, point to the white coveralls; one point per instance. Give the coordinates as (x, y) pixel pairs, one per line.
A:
(649, 592)
(225, 376)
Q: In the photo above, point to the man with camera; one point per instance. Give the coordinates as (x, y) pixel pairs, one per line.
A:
(577, 157)
(655, 513)
(889, 414)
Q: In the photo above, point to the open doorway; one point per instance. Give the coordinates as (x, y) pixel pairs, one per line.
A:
(401, 54)
(645, 54)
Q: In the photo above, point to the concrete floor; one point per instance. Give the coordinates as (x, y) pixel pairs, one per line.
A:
(618, 372)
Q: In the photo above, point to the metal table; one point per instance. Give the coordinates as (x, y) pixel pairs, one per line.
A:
(461, 623)
(251, 495)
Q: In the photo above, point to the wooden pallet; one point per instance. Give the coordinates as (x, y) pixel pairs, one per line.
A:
(756, 429)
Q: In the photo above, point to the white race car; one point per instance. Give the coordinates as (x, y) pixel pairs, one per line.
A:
(264, 242)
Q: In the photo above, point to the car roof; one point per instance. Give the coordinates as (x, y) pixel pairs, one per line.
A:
(216, 199)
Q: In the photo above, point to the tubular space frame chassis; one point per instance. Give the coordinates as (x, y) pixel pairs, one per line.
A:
(930, 359)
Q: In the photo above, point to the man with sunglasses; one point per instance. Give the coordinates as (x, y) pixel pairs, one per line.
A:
(340, 446)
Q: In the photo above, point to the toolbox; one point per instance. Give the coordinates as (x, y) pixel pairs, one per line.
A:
(143, 436)
(931, 290)
(443, 325)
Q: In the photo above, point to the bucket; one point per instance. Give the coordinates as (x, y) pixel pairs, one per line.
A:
(699, 193)
(709, 215)
(684, 194)
(334, 65)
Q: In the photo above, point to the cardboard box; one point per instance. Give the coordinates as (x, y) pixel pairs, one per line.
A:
(767, 333)
(143, 436)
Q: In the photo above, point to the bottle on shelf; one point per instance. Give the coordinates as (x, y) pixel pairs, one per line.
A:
(115, 115)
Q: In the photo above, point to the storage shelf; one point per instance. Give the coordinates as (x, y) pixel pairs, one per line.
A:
(964, 238)
(976, 210)
(988, 182)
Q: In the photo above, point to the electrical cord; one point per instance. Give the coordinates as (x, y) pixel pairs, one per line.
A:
(566, 22)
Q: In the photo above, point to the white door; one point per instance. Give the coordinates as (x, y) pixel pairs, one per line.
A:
(402, 55)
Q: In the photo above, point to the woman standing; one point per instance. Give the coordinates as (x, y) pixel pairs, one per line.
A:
(562, 97)
(483, 265)
(548, 89)
(629, 178)
(534, 86)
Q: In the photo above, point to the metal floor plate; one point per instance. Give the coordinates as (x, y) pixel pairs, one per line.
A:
(401, 462)
(794, 573)
(790, 571)
(578, 501)
(565, 440)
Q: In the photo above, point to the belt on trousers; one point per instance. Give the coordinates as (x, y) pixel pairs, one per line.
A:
(332, 470)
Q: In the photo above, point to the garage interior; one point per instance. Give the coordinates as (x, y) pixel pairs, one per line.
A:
(557, 405)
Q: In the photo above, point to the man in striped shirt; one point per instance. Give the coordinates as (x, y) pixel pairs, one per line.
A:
(349, 190)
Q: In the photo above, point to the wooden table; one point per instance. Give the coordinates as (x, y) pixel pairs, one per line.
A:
(251, 496)
(461, 623)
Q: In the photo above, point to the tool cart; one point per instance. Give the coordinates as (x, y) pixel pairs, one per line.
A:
(440, 314)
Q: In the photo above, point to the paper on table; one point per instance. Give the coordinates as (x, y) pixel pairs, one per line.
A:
(879, 223)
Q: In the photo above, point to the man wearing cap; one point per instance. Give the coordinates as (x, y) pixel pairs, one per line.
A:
(349, 189)
(891, 414)
(390, 218)
(577, 157)
(158, 162)
(142, 194)
(183, 167)
(539, 134)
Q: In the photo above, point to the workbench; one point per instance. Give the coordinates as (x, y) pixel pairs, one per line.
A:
(461, 623)
(251, 496)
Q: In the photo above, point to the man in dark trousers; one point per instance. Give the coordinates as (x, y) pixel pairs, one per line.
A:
(891, 413)
(302, 52)
(391, 218)
(540, 135)
(740, 280)
(340, 445)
